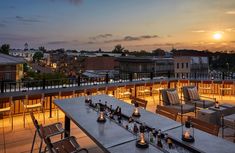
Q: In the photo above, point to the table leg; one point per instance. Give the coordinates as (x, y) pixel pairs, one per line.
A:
(67, 126)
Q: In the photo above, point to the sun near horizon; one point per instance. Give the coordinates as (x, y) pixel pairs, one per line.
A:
(217, 36)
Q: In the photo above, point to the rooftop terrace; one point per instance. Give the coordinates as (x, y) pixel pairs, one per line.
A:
(20, 139)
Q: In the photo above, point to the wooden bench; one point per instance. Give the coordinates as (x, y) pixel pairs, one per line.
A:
(204, 126)
(170, 113)
(141, 102)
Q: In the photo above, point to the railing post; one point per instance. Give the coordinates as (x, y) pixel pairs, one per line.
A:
(168, 74)
(43, 83)
(151, 75)
(168, 84)
(78, 80)
(2, 86)
(130, 77)
(106, 78)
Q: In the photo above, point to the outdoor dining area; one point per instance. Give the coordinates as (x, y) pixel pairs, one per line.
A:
(142, 116)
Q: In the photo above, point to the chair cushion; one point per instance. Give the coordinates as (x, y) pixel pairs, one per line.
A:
(173, 97)
(193, 94)
(185, 93)
(185, 109)
(199, 103)
(165, 99)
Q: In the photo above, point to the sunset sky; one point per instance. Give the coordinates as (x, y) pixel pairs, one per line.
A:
(136, 24)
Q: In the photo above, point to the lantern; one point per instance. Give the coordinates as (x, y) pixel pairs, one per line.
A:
(88, 98)
(136, 112)
(142, 143)
(101, 117)
(212, 77)
(188, 132)
(217, 104)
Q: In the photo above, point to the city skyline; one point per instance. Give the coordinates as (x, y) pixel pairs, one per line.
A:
(137, 25)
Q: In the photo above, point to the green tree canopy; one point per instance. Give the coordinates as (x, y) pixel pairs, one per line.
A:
(158, 52)
(118, 49)
(37, 56)
(42, 48)
(5, 48)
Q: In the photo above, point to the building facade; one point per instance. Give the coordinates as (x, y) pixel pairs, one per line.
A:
(191, 66)
(26, 54)
(11, 68)
(143, 66)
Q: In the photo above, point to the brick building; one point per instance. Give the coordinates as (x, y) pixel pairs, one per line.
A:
(100, 63)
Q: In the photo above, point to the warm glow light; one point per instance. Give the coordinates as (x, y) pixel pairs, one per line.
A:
(142, 141)
(217, 36)
(186, 135)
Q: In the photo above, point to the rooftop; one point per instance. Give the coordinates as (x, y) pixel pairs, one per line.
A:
(8, 60)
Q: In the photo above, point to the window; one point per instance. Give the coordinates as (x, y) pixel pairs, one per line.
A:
(182, 65)
(7, 76)
(178, 65)
(186, 65)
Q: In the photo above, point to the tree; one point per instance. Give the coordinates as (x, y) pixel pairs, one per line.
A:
(37, 56)
(118, 49)
(158, 52)
(5, 48)
(126, 51)
(42, 48)
(25, 67)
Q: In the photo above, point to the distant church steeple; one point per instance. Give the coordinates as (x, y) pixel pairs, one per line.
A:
(26, 46)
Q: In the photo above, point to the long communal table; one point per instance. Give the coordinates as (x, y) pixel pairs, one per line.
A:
(150, 119)
(109, 136)
(113, 138)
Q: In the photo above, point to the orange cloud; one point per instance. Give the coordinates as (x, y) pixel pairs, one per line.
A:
(230, 12)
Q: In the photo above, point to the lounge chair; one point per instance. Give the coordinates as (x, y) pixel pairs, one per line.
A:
(170, 99)
(191, 96)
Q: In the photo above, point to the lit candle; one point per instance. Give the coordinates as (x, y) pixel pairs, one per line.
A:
(142, 141)
(101, 115)
(136, 111)
(217, 104)
(186, 135)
